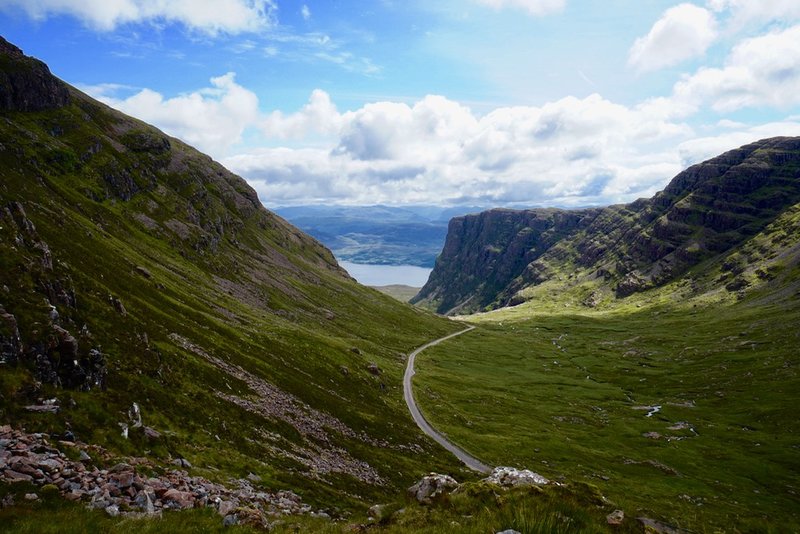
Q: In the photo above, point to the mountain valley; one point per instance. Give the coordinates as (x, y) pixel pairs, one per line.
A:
(175, 357)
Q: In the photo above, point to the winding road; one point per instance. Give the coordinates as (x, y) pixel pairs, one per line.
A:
(470, 461)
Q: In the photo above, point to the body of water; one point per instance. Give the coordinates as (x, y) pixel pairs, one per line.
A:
(385, 275)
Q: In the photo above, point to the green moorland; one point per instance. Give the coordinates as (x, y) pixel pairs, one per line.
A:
(117, 239)
(683, 410)
(400, 292)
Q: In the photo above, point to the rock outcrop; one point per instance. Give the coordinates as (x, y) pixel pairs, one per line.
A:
(28, 86)
(511, 477)
(432, 486)
(483, 252)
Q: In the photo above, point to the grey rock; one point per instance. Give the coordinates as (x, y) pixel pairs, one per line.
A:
(431, 486)
(657, 527)
(225, 508)
(511, 477)
(145, 502)
(43, 409)
(135, 416)
(181, 462)
(230, 520)
(615, 518)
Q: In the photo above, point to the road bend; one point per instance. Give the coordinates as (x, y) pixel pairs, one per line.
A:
(470, 461)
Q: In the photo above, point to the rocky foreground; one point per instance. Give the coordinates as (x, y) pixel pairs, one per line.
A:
(123, 490)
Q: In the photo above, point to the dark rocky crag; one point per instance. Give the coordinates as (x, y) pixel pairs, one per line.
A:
(484, 251)
(26, 83)
(706, 211)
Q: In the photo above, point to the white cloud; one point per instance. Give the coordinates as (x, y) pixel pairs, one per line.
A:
(761, 71)
(534, 7)
(744, 12)
(683, 32)
(305, 12)
(570, 152)
(210, 16)
(318, 116)
(211, 119)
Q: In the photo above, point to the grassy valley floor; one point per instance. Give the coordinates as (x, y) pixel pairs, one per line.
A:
(683, 414)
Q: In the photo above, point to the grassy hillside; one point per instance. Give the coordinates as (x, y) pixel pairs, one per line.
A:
(680, 412)
(134, 269)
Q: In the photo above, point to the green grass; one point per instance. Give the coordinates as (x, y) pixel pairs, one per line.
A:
(398, 291)
(557, 392)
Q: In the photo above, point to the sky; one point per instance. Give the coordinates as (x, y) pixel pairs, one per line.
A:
(458, 102)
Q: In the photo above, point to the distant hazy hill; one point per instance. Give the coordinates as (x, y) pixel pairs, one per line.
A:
(730, 222)
(379, 235)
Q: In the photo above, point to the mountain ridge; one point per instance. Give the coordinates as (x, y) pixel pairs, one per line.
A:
(708, 210)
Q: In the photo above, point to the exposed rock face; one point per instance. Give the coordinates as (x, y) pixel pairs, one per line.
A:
(28, 86)
(484, 252)
(432, 486)
(707, 210)
(10, 345)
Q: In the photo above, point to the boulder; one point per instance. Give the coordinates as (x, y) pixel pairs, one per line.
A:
(508, 477)
(379, 512)
(226, 508)
(615, 518)
(181, 462)
(431, 486)
(178, 499)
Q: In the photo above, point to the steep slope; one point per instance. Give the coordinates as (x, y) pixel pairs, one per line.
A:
(706, 213)
(140, 279)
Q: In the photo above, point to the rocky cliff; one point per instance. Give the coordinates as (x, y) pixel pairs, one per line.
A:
(484, 251)
(26, 83)
(707, 211)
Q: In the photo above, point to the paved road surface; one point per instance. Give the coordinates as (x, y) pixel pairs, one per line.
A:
(469, 461)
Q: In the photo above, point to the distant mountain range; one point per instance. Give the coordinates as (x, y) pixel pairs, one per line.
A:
(378, 235)
(730, 222)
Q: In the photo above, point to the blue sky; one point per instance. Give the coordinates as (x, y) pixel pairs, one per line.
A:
(504, 102)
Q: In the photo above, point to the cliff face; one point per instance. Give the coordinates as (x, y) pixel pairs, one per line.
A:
(484, 252)
(26, 83)
(706, 211)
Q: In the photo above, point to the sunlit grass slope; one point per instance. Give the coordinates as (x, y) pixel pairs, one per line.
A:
(686, 413)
